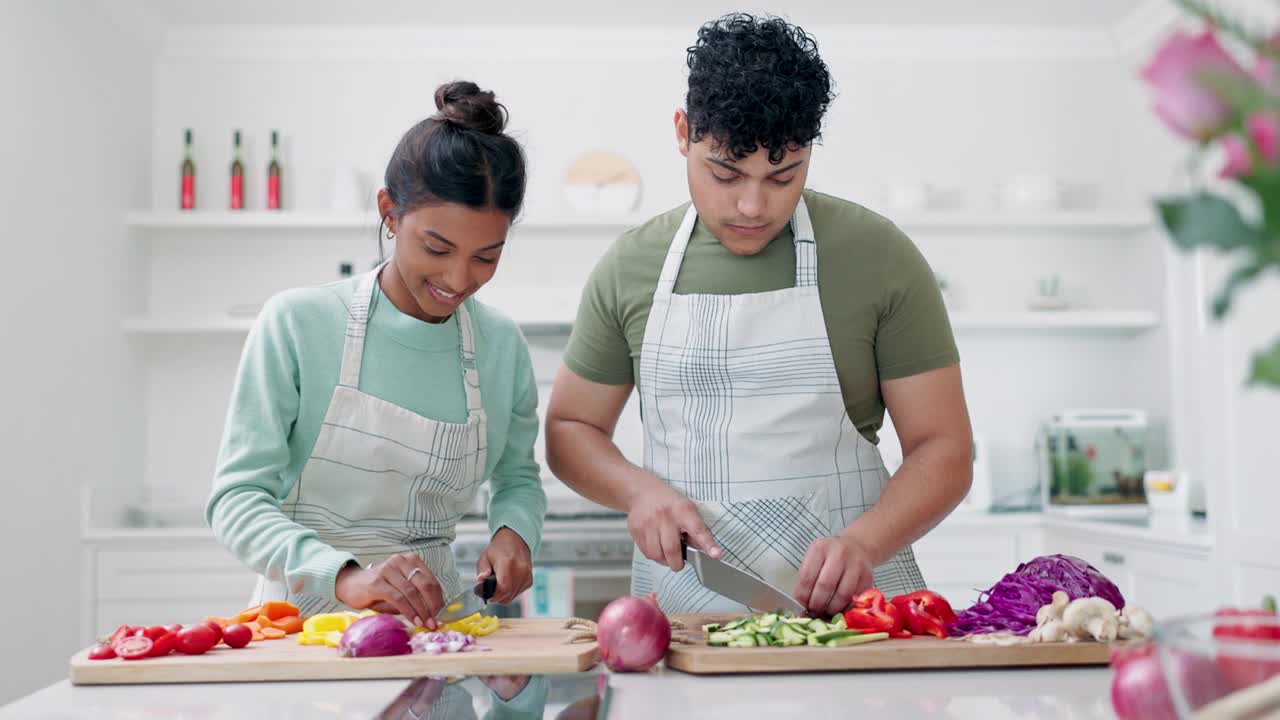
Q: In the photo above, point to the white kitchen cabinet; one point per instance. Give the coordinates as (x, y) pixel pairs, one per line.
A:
(159, 578)
(969, 552)
(1167, 578)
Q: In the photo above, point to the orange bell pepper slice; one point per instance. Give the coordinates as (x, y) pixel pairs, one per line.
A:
(276, 609)
(221, 622)
(290, 624)
(272, 633)
(257, 630)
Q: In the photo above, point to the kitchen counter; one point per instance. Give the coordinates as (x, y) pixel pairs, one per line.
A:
(1059, 693)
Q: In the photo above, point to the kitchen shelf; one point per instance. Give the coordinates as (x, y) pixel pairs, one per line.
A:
(985, 221)
(322, 220)
(557, 315)
(1093, 321)
(1090, 221)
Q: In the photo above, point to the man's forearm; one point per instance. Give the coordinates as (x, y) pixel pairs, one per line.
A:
(932, 481)
(587, 460)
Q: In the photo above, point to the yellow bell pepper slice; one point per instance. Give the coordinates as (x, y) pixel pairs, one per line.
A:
(487, 626)
(326, 622)
(331, 638)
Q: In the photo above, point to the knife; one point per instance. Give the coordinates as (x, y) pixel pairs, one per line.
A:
(736, 584)
(469, 602)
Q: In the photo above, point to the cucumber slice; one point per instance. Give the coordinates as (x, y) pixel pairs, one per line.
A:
(823, 638)
(743, 641)
(710, 627)
(857, 639)
(719, 638)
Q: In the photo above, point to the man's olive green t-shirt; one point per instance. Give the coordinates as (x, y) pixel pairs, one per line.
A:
(880, 300)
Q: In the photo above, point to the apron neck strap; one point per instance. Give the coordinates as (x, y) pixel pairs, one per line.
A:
(801, 230)
(358, 325)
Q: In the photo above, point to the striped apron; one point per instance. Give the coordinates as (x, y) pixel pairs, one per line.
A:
(416, 476)
(743, 413)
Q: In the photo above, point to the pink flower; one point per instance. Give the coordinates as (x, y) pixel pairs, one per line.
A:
(1264, 129)
(1178, 74)
(1238, 163)
(1263, 133)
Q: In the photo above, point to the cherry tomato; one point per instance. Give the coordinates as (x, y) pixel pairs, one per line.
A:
(134, 647)
(154, 632)
(122, 632)
(164, 644)
(237, 635)
(196, 640)
(101, 651)
(175, 627)
(216, 628)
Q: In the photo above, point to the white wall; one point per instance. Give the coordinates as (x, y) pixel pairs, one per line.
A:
(75, 129)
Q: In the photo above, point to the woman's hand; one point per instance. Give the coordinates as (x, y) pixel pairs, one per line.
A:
(507, 557)
(402, 584)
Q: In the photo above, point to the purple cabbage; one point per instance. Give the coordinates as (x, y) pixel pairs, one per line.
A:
(1011, 604)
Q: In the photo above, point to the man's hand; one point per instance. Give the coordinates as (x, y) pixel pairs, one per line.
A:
(402, 584)
(833, 572)
(657, 516)
(507, 557)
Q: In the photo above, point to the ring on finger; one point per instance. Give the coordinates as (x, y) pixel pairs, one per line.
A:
(414, 572)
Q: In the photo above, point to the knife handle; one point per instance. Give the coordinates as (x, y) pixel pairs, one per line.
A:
(487, 588)
(684, 548)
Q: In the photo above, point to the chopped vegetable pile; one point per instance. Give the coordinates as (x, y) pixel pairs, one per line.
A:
(786, 630)
(1012, 603)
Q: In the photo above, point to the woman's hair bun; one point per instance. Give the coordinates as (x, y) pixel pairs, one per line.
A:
(464, 105)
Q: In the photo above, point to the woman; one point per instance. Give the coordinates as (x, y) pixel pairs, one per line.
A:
(367, 412)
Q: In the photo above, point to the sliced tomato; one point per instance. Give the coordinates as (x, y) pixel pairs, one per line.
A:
(101, 651)
(164, 644)
(121, 633)
(134, 647)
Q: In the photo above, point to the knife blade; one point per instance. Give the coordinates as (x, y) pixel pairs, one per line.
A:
(469, 602)
(738, 585)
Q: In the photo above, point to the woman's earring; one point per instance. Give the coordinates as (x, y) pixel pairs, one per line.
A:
(390, 235)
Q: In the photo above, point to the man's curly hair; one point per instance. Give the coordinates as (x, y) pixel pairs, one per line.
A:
(756, 82)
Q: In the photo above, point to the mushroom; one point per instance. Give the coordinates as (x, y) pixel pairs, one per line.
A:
(1054, 609)
(1135, 623)
(1053, 630)
(1091, 618)
(1049, 625)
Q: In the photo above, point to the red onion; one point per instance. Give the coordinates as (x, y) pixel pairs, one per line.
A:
(633, 634)
(375, 636)
(1139, 691)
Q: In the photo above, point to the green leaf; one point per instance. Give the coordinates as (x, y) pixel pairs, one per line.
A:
(1238, 278)
(1266, 367)
(1203, 219)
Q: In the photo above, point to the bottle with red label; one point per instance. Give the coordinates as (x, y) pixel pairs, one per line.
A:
(273, 174)
(237, 177)
(187, 199)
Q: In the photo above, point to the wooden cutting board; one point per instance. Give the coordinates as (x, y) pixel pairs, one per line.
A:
(917, 653)
(520, 646)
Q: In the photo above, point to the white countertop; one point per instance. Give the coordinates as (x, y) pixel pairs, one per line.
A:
(1061, 693)
(1192, 533)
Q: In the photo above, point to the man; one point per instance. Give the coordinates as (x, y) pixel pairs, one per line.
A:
(767, 328)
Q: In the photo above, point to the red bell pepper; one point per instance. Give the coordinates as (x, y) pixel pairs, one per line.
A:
(925, 613)
(872, 613)
(1243, 672)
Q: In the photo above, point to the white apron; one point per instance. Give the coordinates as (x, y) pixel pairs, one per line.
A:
(417, 476)
(743, 413)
